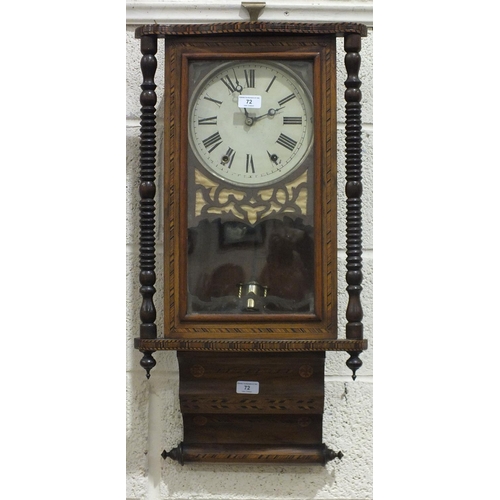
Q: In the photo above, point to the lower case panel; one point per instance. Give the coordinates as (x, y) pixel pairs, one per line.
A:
(253, 429)
(252, 408)
(257, 454)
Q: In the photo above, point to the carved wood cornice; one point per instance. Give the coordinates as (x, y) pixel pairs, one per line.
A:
(250, 27)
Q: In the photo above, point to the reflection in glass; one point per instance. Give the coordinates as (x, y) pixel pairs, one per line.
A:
(234, 267)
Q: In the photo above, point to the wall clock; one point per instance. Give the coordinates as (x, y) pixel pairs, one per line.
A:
(250, 228)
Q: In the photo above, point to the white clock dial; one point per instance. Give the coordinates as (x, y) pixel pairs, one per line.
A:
(251, 122)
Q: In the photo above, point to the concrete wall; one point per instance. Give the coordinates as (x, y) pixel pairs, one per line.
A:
(153, 415)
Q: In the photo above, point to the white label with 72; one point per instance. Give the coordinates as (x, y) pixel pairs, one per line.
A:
(250, 101)
(244, 387)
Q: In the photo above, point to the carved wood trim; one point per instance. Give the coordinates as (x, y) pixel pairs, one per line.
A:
(249, 345)
(226, 453)
(214, 198)
(164, 30)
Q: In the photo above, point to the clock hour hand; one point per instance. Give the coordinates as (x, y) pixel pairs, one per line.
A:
(248, 119)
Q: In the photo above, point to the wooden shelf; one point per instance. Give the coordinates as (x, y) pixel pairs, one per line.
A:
(249, 345)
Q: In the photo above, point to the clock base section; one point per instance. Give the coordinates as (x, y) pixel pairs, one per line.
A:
(248, 454)
(252, 408)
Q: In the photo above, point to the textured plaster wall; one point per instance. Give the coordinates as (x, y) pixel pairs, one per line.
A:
(153, 415)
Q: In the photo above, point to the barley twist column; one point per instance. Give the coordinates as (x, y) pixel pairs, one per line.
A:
(353, 189)
(147, 190)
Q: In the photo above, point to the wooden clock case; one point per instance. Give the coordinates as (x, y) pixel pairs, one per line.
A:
(283, 354)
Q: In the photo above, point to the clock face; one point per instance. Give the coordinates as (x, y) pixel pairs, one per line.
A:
(251, 122)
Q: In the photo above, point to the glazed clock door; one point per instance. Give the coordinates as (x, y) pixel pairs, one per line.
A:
(250, 183)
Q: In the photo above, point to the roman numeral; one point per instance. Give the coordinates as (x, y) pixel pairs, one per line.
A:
(207, 121)
(229, 84)
(229, 157)
(286, 99)
(286, 142)
(213, 100)
(250, 77)
(292, 120)
(269, 86)
(250, 164)
(214, 140)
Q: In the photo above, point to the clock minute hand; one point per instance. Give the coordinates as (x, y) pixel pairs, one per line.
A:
(271, 112)
(250, 120)
(239, 88)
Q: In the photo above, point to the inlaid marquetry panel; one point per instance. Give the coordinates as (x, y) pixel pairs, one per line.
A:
(287, 382)
(249, 405)
(289, 399)
(253, 429)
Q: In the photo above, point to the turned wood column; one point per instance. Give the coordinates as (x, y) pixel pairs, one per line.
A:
(147, 190)
(353, 189)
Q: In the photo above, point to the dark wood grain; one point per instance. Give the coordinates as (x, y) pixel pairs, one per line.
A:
(282, 422)
(166, 30)
(322, 322)
(147, 188)
(250, 345)
(253, 429)
(147, 191)
(284, 353)
(289, 383)
(253, 454)
(354, 190)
